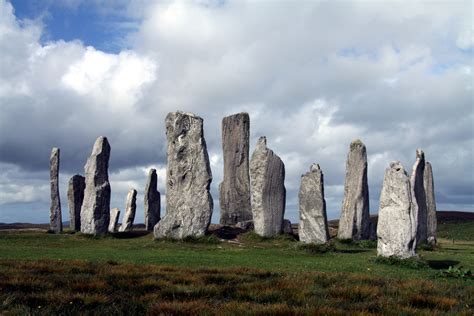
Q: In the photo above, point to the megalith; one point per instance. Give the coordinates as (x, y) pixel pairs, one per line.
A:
(432, 222)
(95, 210)
(189, 202)
(235, 188)
(313, 225)
(152, 203)
(55, 217)
(267, 177)
(75, 197)
(354, 221)
(396, 229)
(419, 197)
(114, 218)
(130, 210)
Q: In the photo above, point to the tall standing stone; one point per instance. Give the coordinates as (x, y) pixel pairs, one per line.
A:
(95, 211)
(267, 177)
(130, 210)
(114, 218)
(419, 197)
(396, 229)
(313, 225)
(430, 203)
(354, 221)
(75, 197)
(55, 217)
(188, 199)
(152, 201)
(235, 188)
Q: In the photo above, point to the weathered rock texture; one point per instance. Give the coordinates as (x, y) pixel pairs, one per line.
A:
(267, 176)
(396, 229)
(419, 197)
(152, 201)
(354, 221)
(235, 188)
(130, 210)
(55, 217)
(313, 225)
(188, 199)
(75, 197)
(95, 211)
(114, 218)
(286, 227)
(430, 203)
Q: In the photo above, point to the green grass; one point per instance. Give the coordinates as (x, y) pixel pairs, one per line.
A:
(456, 230)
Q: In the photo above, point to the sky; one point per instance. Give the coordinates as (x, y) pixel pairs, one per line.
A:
(313, 76)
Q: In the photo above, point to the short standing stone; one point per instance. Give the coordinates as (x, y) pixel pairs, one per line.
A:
(286, 227)
(130, 210)
(152, 201)
(95, 211)
(354, 221)
(313, 225)
(114, 218)
(55, 217)
(235, 188)
(188, 199)
(419, 197)
(267, 176)
(396, 229)
(430, 203)
(75, 197)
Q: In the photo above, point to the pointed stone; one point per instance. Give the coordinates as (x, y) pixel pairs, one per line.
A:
(396, 229)
(75, 197)
(152, 201)
(267, 177)
(235, 188)
(95, 211)
(114, 218)
(55, 217)
(130, 210)
(430, 203)
(354, 221)
(189, 202)
(313, 225)
(419, 197)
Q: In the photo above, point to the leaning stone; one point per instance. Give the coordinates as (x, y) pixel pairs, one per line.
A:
(114, 218)
(130, 210)
(354, 221)
(245, 225)
(286, 227)
(188, 199)
(152, 201)
(267, 176)
(396, 228)
(75, 197)
(55, 217)
(313, 225)
(432, 222)
(235, 188)
(95, 211)
(419, 197)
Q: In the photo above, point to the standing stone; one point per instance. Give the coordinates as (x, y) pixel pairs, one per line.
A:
(95, 211)
(235, 188)
(354, 221)
(130, 210)
(430, 203)
(55, 217)
(286, 227)
(75, 197)
(313, 225)
(267, 176)
(419, 197)
(188, 178)
(114, 218)
(396, 229)
(152, 201)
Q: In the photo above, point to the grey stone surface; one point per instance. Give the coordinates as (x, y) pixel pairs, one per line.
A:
(235, 188)
(95, 211)
(130, 210)
(267, 177)
(313, 225)
(354, 221)
(152, 202)
(419, 197)
(432, 222)
(189, 202)
(246, 225)
(75, 197)
(396, 229)
(55, 217)
(114, 219)
(286, 227)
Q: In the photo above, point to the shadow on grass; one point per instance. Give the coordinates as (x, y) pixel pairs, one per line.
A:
(130, 234)
(352, 250)
(441, 264)
(227, 232)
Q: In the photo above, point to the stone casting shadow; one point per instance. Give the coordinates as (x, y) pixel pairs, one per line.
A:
(130, 234)
(441, 264)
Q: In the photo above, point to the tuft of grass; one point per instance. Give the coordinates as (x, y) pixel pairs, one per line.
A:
(456, 272)
(207, 239)
(317, 248)
(412, 263)
(367, 244)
